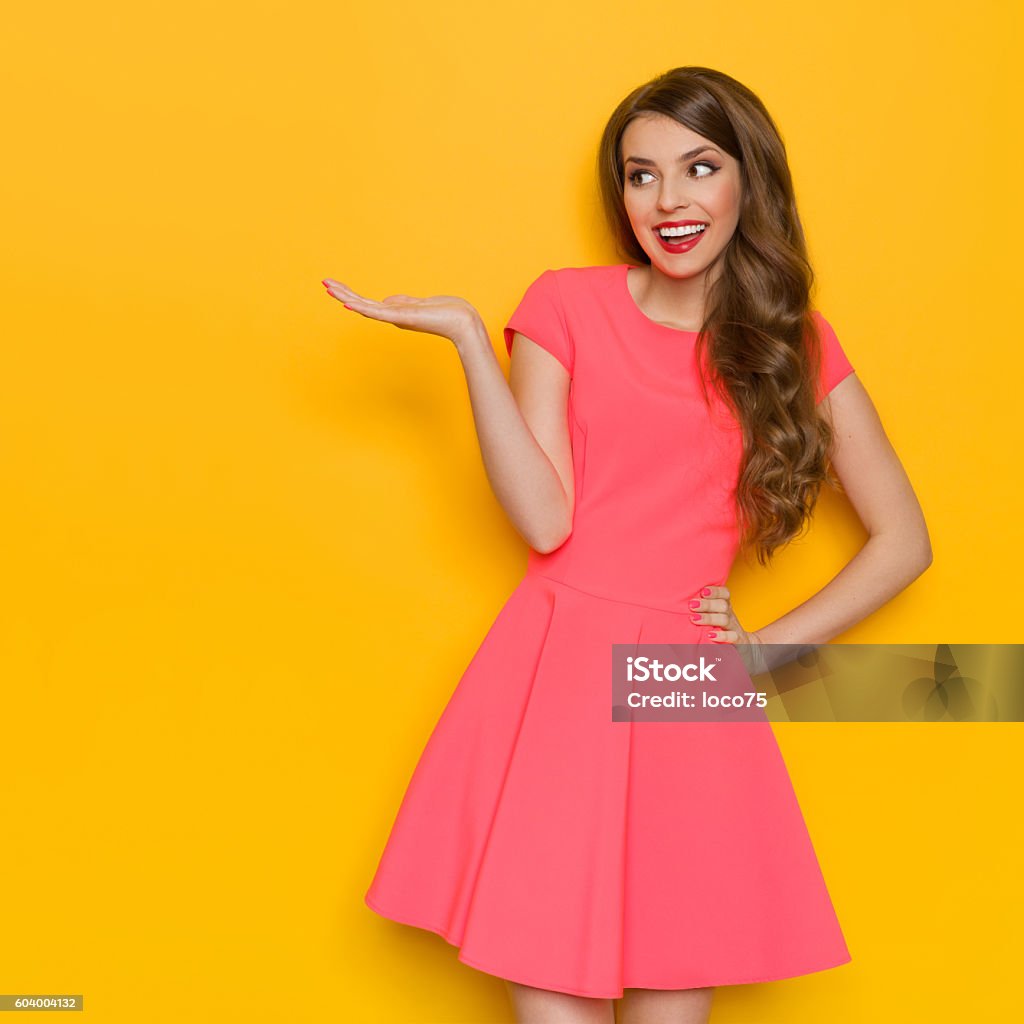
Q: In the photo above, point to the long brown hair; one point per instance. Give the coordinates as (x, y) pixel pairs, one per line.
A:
(759, 341)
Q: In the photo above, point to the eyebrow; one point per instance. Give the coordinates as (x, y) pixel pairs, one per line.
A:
(686, 156)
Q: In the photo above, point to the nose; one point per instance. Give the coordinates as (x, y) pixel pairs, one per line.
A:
(672, 196)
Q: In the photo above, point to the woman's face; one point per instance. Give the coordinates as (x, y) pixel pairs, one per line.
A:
(663, 188)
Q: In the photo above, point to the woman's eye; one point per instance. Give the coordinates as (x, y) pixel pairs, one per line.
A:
(709, 169)
(704, 163)
(633, 176)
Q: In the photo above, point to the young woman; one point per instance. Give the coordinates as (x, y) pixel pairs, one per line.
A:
(661, 415)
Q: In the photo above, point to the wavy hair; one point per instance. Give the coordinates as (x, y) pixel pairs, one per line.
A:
(759, 342)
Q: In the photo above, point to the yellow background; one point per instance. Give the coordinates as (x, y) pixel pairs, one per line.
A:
(249, 543)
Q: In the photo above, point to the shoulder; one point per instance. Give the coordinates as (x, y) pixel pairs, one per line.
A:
(570, 283)
(819, 320)
(562, 305)
(571, 289)
(833, 364)
(575, 277)
(826, 333)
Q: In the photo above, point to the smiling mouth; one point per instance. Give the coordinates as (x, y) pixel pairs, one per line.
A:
(680, 233)
(678, 245)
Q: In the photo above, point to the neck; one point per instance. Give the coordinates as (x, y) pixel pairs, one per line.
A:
(676, 302)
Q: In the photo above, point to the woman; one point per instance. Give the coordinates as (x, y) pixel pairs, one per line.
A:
(661, 415)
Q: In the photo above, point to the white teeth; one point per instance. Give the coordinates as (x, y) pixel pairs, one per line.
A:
(690, 229)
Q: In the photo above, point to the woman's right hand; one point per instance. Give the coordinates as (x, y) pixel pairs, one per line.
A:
(447, 316)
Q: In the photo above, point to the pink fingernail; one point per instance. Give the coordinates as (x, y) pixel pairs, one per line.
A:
(695, 604)
(706, 592)
(712, 636)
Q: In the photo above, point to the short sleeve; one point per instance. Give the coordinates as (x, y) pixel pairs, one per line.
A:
(834, 364)
(540, 316)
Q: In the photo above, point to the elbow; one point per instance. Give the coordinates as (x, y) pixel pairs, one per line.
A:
(545, 545)
(551, 540)
(918, 553)
(924, 549)
(919, 566)
(907, 554)
(910, 545)
(552, 529)
(926, 561)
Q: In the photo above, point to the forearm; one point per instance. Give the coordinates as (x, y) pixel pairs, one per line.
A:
(520, 473)
(886, 565)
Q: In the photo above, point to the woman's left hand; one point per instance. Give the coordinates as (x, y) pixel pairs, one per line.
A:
(715, 609)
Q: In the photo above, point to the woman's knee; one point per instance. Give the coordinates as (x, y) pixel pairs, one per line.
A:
(543, 1006)
(666, 1006)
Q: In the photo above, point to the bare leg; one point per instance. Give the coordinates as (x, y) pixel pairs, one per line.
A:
(669, 1006)
(541, 1006)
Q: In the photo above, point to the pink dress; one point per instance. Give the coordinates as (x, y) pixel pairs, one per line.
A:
(559, 848)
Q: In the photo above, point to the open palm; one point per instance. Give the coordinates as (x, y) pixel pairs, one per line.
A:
(447, 316)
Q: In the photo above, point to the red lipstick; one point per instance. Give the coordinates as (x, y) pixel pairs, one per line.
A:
(686, 242)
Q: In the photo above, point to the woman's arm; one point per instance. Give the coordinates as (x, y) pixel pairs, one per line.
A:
(523, 429)
(897, 550)
(526, 447)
